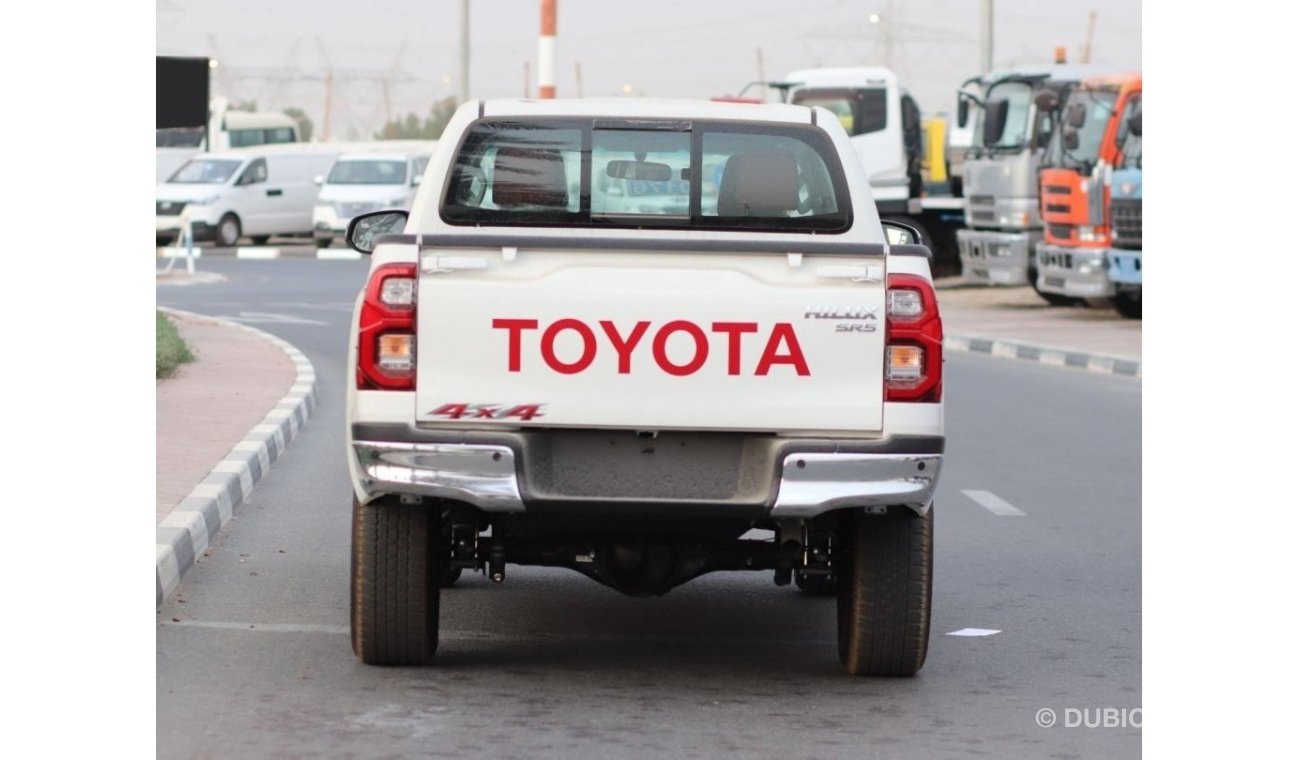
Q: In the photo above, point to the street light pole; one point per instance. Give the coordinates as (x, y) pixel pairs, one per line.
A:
(986, 36)
(463, 89)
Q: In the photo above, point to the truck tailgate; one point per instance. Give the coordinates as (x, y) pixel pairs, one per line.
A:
(650, 340)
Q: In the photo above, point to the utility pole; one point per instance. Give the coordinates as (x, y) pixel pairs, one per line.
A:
(329, 91)
(1087, 43)
(986, 36)
(462, 92)
(577, 75)
(528, 81)
(546, 52)
(887, 31)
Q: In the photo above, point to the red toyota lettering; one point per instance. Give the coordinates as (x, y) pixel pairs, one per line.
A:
(733, 331)
(623, 345)
(782, 332)
(516, 328)
(701, 348)
(588, 346)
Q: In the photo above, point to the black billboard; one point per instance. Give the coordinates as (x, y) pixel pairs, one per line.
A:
(182, 91)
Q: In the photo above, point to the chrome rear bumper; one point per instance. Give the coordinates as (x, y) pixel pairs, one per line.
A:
(488, 476)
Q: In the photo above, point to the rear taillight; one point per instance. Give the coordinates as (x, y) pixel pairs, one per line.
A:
(913, 342)
(386, 347)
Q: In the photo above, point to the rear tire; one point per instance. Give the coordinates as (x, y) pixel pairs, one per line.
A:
(394, 583)
(228, 231)
(885, 591)
(1129, 305)
(324, 242)
(260, 239)
(449, 577)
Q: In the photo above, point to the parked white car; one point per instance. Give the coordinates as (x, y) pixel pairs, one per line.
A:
(251, 192)
(359, 183)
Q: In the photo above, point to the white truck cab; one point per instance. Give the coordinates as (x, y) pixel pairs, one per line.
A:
(615, 336)
(876, 113)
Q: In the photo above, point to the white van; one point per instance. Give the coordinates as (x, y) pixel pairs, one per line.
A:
(252, 192)
(359, 183)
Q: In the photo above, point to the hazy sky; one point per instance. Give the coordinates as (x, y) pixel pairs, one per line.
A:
(276, 52)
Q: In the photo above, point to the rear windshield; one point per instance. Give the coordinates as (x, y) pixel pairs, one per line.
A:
(605, 173)
(368, 173)
(205, 171)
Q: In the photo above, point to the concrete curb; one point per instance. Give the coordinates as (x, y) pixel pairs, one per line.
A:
(191, 526)
(1056, 357)
(255, 253)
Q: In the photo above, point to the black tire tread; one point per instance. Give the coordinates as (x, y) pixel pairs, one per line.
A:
(885, 593)
(394, 585)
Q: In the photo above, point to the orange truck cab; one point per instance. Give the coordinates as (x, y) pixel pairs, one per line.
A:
(1074, 186)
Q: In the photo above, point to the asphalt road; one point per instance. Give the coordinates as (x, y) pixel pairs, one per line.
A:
(254, 658)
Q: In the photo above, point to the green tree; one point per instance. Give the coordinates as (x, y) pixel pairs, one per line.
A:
(412, 127)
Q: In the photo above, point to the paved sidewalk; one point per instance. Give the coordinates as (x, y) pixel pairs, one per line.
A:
(1018, 316)
(210, 404)
(221, 421)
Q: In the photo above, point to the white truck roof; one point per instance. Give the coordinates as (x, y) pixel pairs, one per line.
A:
(649, 108)
(845, 76)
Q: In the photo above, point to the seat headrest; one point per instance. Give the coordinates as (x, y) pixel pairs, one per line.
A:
(759, 183)
(529, 177)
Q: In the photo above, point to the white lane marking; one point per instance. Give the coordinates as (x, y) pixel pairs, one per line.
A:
(974, 632)
(758, 534)
(244, 252)
(993, 503)
(262, 317)
(445, 635)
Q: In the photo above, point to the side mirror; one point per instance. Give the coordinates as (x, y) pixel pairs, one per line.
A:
(1075, 115)
(897, 233)
(1070, 138)
(995, 120)
(415, 181)
(319, 179)
(1047, 101)
(363, 229)
(1135, 124)
(963, 112)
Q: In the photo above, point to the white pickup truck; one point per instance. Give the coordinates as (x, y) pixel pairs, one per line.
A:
(617, 336)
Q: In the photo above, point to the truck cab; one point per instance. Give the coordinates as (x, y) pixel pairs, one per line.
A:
(1124, 259)
(616, 336)
(885, 127)
(1075, 187)
(1012, 120)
